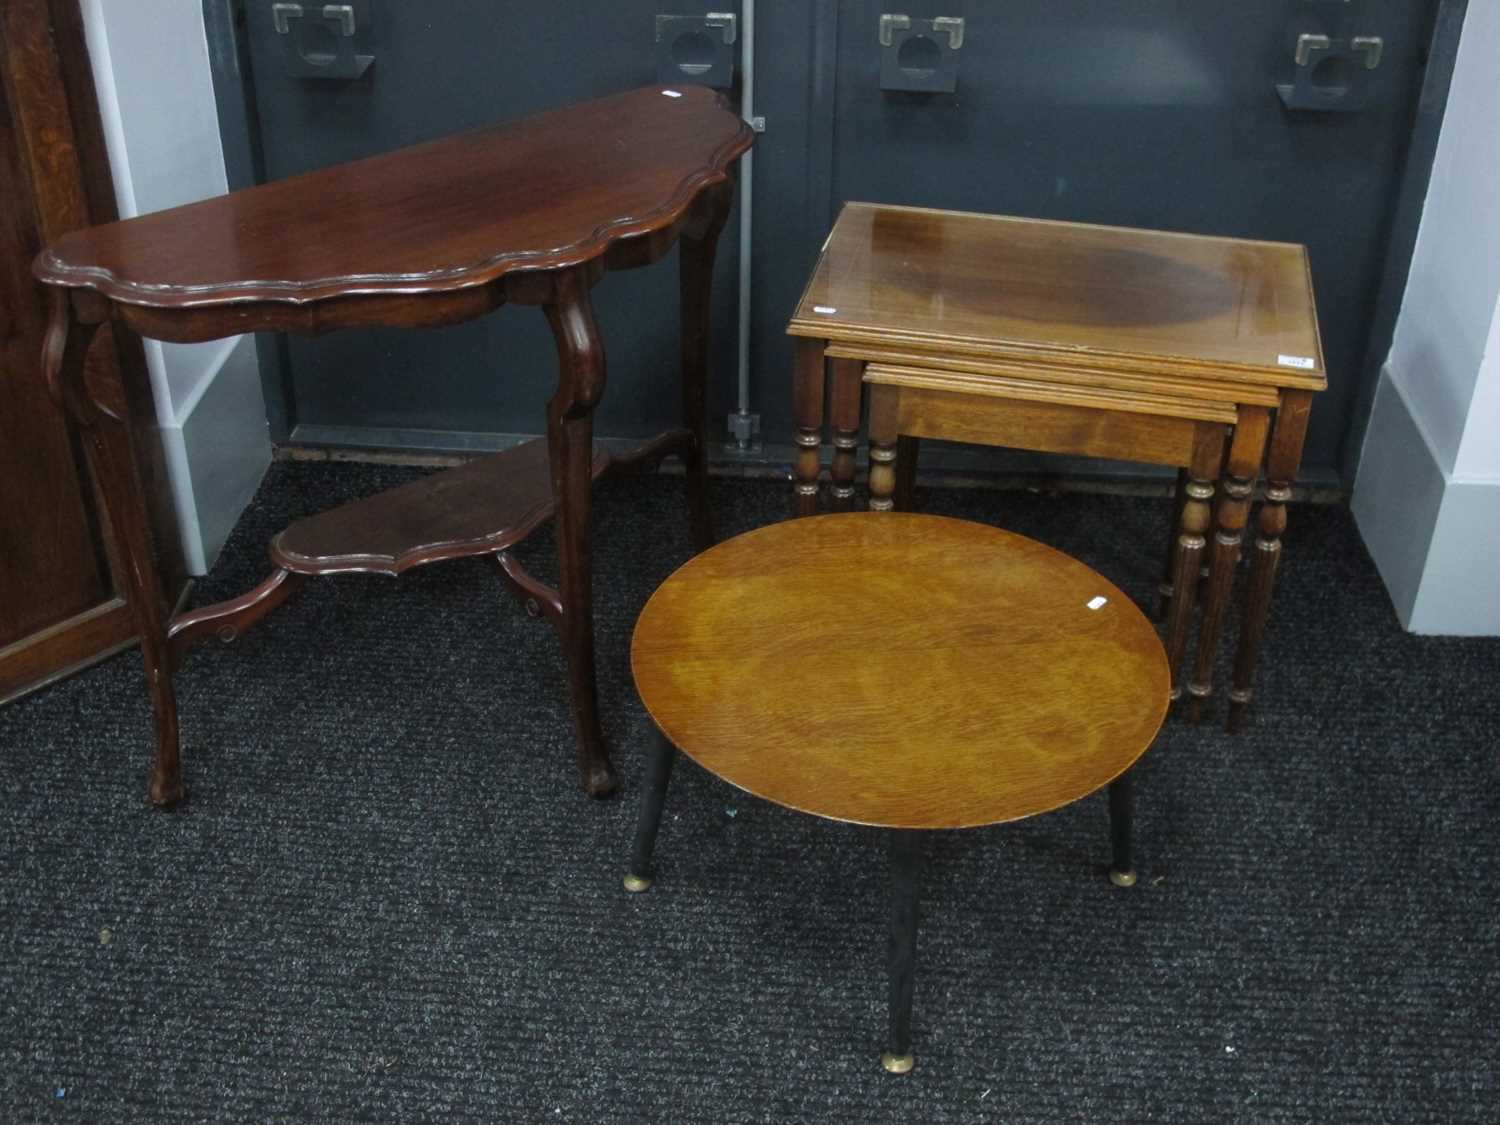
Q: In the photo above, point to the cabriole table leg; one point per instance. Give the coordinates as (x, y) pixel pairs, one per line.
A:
(74, 320)
(570, 433)
(696, 260)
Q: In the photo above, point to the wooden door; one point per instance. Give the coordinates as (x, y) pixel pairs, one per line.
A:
(60, 601)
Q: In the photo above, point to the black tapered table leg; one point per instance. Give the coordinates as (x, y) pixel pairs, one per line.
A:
(906, 875)
(1122, 829)
(658, 774)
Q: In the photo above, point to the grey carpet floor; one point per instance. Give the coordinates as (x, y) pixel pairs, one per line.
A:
(387, 901)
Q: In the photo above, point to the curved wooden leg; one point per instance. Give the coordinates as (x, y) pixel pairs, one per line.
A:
(808, 385)
(1282, 460)
(228, 620)
(570, 434)
(844, 395)
(1245, 453)
(536, 598)
(1208, 459)
(696, 283)
(106, 443)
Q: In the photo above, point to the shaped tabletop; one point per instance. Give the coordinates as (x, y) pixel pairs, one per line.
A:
(544, 192)
(992, 285)
(974, 676)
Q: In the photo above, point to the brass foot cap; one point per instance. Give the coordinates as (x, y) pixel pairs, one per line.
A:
(635, 884)
(1122, 878)
(898, 1064)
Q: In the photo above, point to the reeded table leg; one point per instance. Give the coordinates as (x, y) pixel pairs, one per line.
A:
(808, 386)
(1122, 830)
(107, 445)
(698, 245)
(658, 775)
(1208, 459)
(570, 434)
(906, 875)
(1281, 470)
(1245, 453)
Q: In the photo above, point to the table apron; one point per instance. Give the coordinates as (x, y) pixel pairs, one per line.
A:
(1045, 427)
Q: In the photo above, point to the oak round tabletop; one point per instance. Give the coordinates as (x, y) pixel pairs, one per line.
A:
(900, 670)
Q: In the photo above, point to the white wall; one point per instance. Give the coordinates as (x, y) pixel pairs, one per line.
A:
(1427, 497)
(156, 98)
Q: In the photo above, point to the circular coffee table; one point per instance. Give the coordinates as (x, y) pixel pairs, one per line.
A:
(905, 671)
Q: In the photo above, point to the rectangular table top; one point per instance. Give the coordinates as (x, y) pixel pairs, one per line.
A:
(964, 284)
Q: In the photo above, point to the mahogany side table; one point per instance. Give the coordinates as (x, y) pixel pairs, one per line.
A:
(534, 212)
(1184, 350)
(984, 678)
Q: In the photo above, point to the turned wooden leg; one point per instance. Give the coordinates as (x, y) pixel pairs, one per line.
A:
(847, 385)
(1245, 453)
(907, 451)
(808, 385)
(1208, 458)
(696, 283)
(884, 470)
(1282, 459)
(105, 431)
(1169, 573)
(570, 434)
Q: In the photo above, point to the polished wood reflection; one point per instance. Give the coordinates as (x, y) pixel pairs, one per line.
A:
(994, 285)
(1070, 338)
(974, 682)
(534, 212)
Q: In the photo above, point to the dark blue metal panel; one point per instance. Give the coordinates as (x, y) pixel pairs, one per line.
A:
(440, 69)
(1159, 113)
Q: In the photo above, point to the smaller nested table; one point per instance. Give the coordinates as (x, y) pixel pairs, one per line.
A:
(1194, 352)
(984, 678)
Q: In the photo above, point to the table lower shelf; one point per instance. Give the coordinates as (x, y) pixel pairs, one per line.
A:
(482, 507)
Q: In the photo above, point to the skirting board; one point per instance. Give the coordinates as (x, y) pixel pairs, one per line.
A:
(941, 463)
(1432, 534)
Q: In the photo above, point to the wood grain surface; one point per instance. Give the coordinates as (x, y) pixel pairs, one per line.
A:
(1083, 396)
(452, 214)
(993, 285)
(1044, 369)
(477, 508)
(901, 670)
